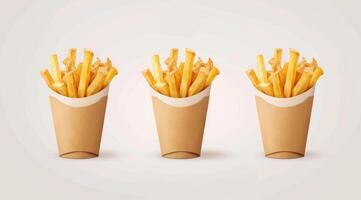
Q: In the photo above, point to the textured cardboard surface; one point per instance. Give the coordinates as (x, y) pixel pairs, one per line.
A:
(284, 129)
(180, 129)
(78, 129)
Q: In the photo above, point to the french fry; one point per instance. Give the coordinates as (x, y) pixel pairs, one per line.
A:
(172, 83)
(162, 88)
(60, 87)
(157, 69)
(212, 74)
(261, 69)
(278, 57)
(110, 75)
(170, 64)
(316, 75)
(276, 84)
(85, 73)
(303, 83)
(187, 73)
(291, 73)
(149, 77)
(174, 56)
(55, 69)
(254, 79)
(283, 74)
(179, 73)
(266, 88)
(314, 64)
(198, 84)
(71, 59)
(48, 79)
(97, 84)
(70, 84)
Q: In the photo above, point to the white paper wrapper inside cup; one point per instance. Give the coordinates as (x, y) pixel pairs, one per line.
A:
(78, 123)
(180, 123)
(284, 123)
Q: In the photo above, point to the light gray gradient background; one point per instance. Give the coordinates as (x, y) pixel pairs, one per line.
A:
(232, 165)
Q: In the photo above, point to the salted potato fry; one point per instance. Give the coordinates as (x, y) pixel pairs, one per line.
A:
(303, 83)
(172, 83)
(174, 56)
(314, 64)
(179, 73)
(55, 69)
(187, 73)
(157, 69)
(149, 77)
(97, 84)
(276, 84)
(212, 74)
(110, 75)
(198, 84)
(254, 79)
(60, 87)
(316, 75)
(162, 88)
(85, 73)
(266, 88)
(261, 69)
(278, 57)
(291, 73)
(70, 61)
(70, 84)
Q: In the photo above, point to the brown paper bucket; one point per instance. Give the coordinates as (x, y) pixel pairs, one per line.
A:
(180, 123)
(78, 123)
(284, 123)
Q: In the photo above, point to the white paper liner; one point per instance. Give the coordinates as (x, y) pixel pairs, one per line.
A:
(182, 102)
(80, 102)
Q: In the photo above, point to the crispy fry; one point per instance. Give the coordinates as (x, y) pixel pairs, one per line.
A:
(174, 56)
(97, 84)
(291, 73)
(187, 73)
(162, 88)
(253, 77)
(276, 84)
(198, 84)
(261, 69)
(48, 79)
(303, 83)
(179, 73)
(55, 69)
(60, 87)
(85, 73)
(157, 69)
(212, 74)
(70, 84)
(316, 75)
(314, 64)
(278, 58)
(149, 77)
(70, 60)
(172, 83)
(110, 75)
(266, 88)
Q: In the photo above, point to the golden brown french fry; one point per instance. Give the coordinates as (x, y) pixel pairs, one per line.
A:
(187, 73)
(55, 69)
(198, 84)
(162, 88)
(314, 64)
(149, 77)
(157, 69)
(97, 84)
(291, 73)
(316, 75)
(70, 84)
(278, 57)
(174, 56)
(261, 69)
(266, 88)
(47, 77)
(179, 73)
(110, 75)
(212, 74)
(303, 83)
(170, 64)
(71, 59)
(283, 74)
(85, 73)
(254, 79)
(172, 83)
(60, 87)
(276, 84)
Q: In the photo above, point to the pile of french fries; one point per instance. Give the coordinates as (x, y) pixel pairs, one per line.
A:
(292, 79)
(181, 80)
(82, 80)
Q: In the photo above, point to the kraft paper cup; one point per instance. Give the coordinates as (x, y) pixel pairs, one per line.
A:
(180, 123)
(284, 123)
(78, 123)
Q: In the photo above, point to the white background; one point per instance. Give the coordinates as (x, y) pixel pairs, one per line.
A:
(232, 165)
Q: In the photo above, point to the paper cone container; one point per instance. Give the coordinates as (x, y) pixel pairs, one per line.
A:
(78, 123)
(284, 123)
(180, 123)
